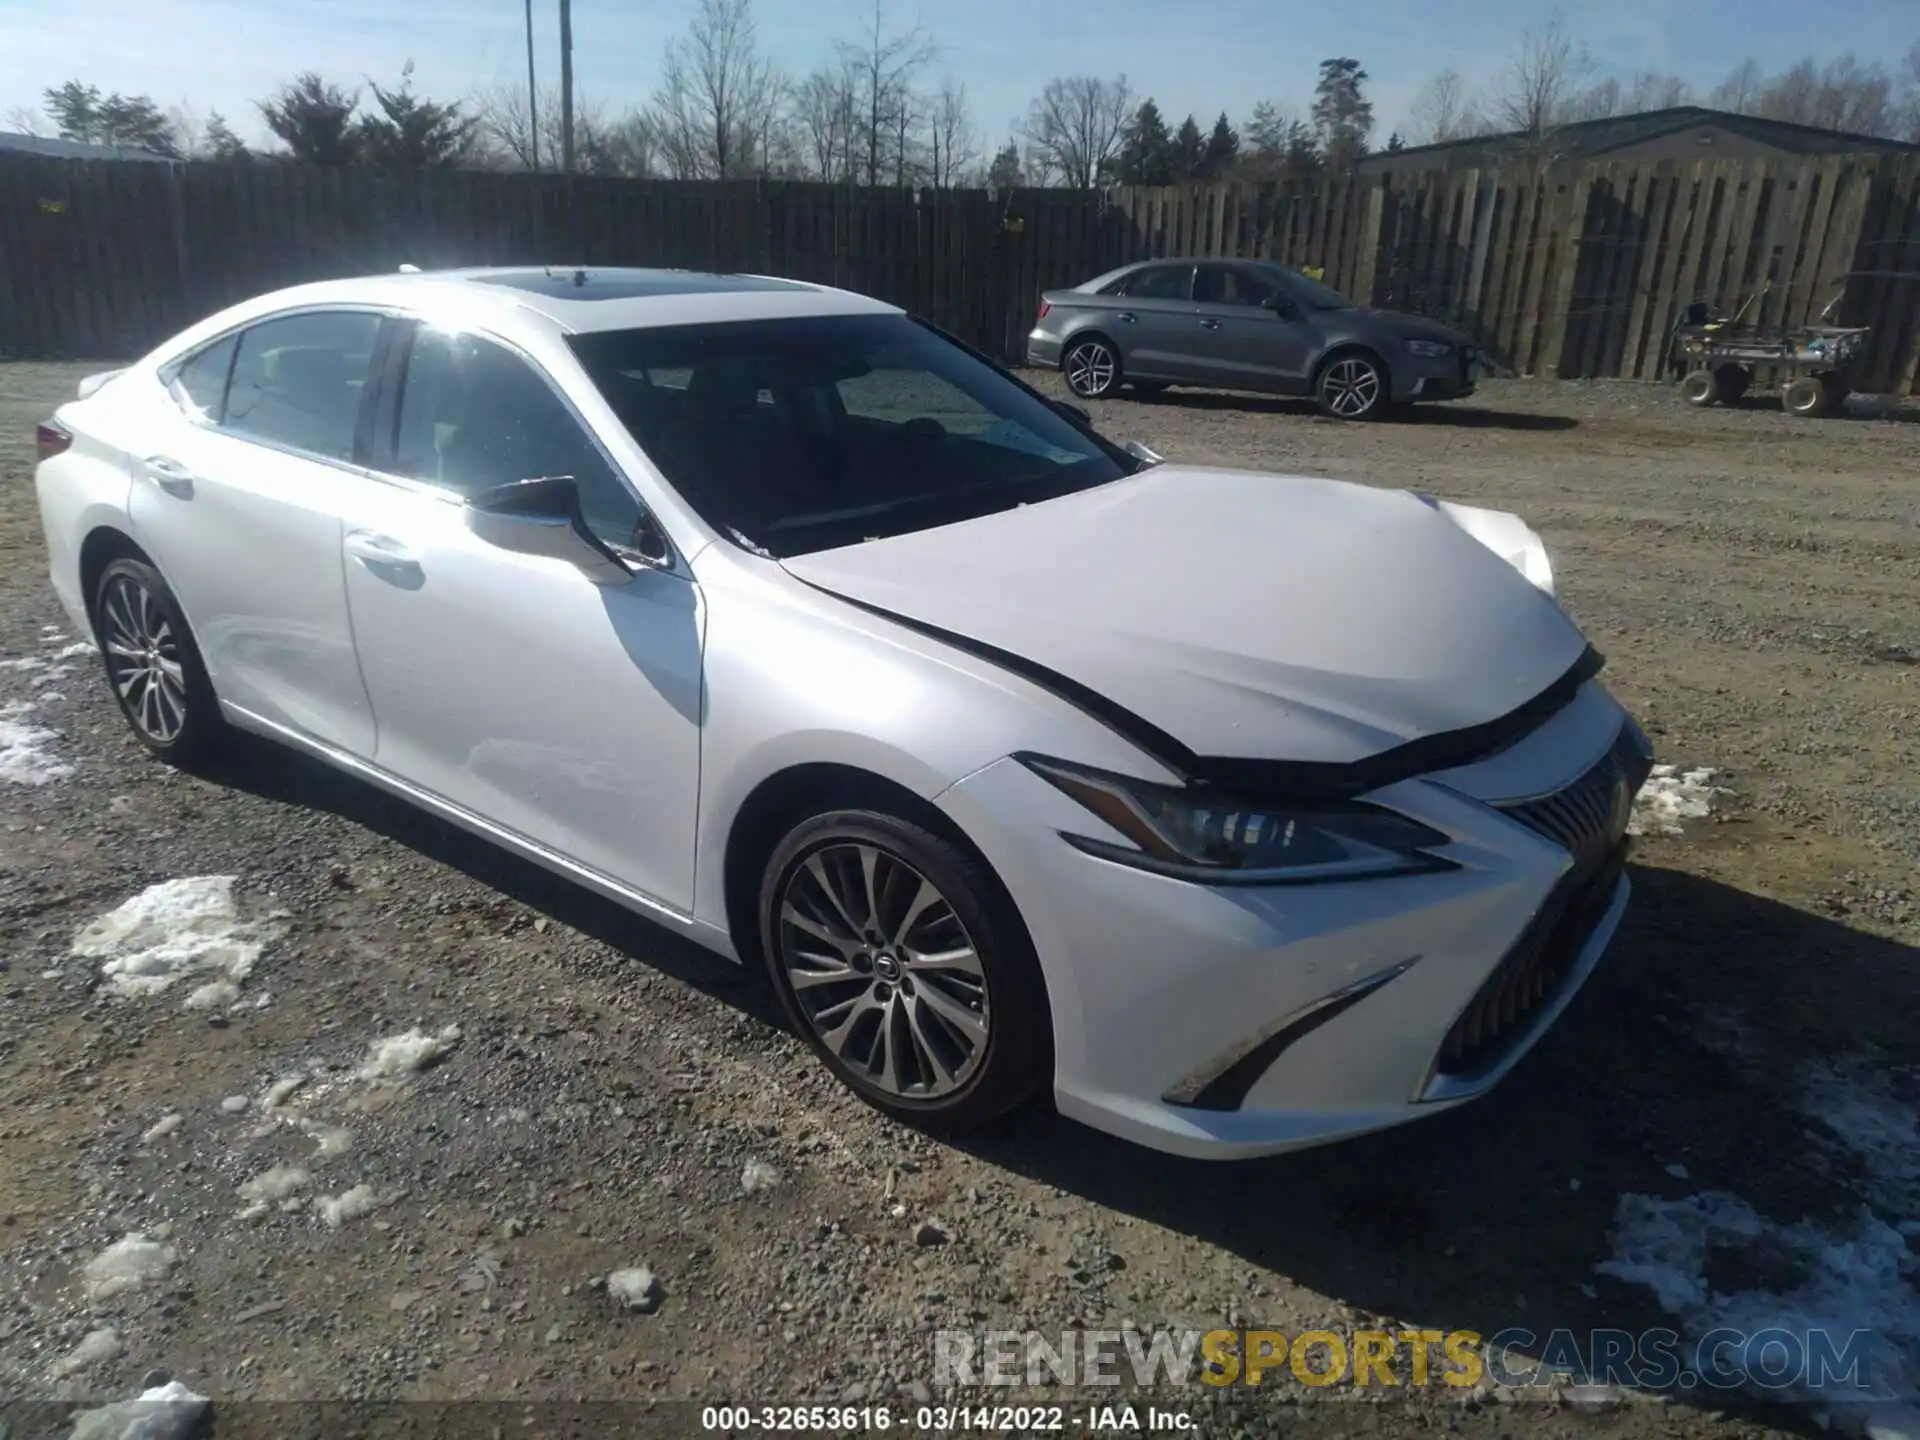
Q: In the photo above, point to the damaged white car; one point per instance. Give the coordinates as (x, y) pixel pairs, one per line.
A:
(1236, 811)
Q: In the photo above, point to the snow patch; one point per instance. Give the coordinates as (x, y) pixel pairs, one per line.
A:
(1670, 796)
(634, 1289)
(23, 749)
(78, 648)
(24, 662)
(329, 1141)
(396, 1059)
(161, 1128)
(337, 1210)
(171, 931)
(1860, 1276)
(279, 1183)
(279, 1092)
(214, 995)
(127, 1264)
(99, 1347)
(758, 1175)
(163, 1412)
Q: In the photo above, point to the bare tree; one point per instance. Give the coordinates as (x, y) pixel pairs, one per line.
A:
(1544, 73)
(952, 147)
(884, 63)
(1444, 110)
(1075, 126)
(825, 118)
(1658, 92)
(506, 137)
(1740, 91)
(25, 120)
(716, 95)
(1599, 101)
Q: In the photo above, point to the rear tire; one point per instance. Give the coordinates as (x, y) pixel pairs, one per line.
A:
(902, 964)
(1700, 388)
(1805, 396)
(1352, 386)
(1091, 367)
(1731, 382)
(153, 665)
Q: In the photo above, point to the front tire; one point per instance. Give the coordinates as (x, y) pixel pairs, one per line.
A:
(902, 964)
(1092, 368)
(153, 666)
(1352, 387)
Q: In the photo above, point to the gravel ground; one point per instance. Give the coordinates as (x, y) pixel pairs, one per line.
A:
(1727, 1109)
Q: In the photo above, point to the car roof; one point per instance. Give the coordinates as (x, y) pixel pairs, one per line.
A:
(582, 299)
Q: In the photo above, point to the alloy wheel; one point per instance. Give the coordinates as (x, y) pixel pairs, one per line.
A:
(143, 659)
(1091, 368)
(1351, 388)
(883, 971)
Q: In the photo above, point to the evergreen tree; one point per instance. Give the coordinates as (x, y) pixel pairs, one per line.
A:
(1146, 156)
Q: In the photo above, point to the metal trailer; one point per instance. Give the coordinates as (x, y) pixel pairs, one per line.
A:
(1816, 364)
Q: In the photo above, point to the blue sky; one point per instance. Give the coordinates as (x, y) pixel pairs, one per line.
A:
(1198, 55)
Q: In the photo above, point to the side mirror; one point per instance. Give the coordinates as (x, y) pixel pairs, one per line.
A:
(1080, 417)
(542, 517)
(1147, 458)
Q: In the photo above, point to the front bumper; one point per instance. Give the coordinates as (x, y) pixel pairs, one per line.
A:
(1222, 1021)
(1446, 377)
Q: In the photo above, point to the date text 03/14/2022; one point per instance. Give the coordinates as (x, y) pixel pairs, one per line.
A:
(942, 1419)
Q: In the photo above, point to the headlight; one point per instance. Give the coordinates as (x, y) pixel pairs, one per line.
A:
(1214, 838)
(1430, 349)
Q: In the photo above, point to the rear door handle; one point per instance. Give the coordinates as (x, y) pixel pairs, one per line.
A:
(1209, 324)
(170, 475)
(1126, 317)
(380, 551)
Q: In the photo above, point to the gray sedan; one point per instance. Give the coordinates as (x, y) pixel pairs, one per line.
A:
(1244, 325)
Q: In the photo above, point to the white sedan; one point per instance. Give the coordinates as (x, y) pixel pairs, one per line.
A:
(1238, 811)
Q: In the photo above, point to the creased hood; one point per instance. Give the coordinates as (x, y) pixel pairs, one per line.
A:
(1244, 616)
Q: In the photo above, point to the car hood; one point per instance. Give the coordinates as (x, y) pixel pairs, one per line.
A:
(1412, 327)
(1239, 615)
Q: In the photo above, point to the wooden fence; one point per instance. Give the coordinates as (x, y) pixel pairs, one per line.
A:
(1569, 271)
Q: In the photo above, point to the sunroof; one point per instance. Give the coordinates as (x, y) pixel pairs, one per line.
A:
(564, 283)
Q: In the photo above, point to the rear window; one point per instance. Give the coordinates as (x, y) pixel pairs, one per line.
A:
(793, 436)
(199, 383)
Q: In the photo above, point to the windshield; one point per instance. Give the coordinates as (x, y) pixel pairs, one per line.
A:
(792, 436)
(1312, 294)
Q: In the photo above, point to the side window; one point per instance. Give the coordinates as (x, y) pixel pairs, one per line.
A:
(199, 382)
(1230, 285)
(1161, 282)
(474, 415)
(297, 381)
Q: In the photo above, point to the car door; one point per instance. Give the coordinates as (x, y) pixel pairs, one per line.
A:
(1241, 341)
(1151, 319)
(236, 495)
(513, 686)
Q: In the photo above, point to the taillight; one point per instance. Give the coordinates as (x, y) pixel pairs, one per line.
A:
(50, 440)
(1044, 308)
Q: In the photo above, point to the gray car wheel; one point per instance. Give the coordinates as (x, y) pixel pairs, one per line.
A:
(902, 964)
(1092, 368)
(1352, 387)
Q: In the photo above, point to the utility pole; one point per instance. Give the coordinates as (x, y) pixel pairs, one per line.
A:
(566, 86)
(533, 98)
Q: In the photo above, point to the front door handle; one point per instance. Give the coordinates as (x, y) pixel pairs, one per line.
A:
(381, 551)
(1209, 324)
(171, 476)
(1126, 317)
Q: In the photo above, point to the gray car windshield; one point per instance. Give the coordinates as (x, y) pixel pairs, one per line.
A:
(793, 436)
(1312, 294)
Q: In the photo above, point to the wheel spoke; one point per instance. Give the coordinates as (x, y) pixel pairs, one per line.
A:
(847, 1016)
(818, 870)
(926, 1046)
(792, 914)
(971, 1025)
(924, 897)
(869, 865)
(962, 960)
